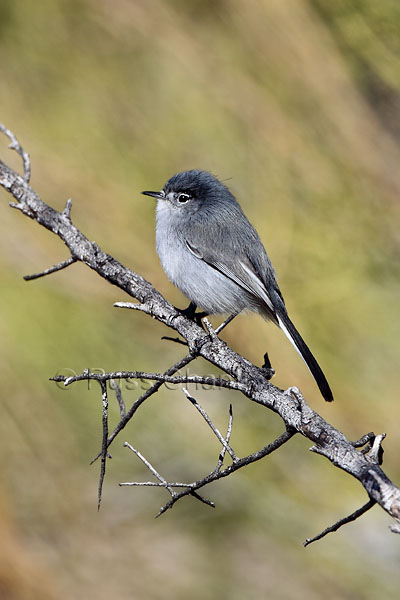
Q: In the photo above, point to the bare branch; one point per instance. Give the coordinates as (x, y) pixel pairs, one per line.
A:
(152, 484)
(202, 499)
(210, 329)
(58, 267)
(210, 424)
(120, 400)
(163, 482)
(235, 466)
(15, 145)
(364, 440)
(246, 377)
(191, 488)
(227, 438)
(132, 306)
(147, 394)
(151, 469)
(355, 515)
(104, 419)
(195, 379)
(67, 210)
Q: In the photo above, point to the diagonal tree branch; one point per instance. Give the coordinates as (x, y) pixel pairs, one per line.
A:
(251, 380)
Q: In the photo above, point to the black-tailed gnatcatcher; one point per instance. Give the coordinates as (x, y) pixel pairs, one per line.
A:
(213, 254)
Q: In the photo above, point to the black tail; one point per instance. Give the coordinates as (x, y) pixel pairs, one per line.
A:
(290, 330)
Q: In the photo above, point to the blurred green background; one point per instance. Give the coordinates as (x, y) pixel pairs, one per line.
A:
(297, 104)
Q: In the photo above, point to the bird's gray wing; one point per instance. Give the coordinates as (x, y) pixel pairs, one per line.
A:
(236, 267)
(238, 253)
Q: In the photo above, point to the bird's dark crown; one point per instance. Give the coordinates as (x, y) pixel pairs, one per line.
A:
(199, 184)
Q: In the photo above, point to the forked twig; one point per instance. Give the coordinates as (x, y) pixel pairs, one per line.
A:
(193, 487)
(163, 482)
(235, 466)
(147, 394)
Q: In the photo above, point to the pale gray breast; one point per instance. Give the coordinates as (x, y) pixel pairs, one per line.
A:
(201, 283)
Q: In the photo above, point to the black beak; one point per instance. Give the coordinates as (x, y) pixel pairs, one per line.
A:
(153, 194)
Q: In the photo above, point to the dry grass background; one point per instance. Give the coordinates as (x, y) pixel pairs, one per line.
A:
(297, 103)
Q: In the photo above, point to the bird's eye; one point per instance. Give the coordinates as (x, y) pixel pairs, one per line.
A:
(182, 198)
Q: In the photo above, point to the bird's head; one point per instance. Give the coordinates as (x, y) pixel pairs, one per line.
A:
(191, 190)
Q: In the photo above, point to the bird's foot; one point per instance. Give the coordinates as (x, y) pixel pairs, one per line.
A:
(190, 313)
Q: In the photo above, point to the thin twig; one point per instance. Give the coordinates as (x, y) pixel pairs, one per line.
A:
(355, 515)
(227, 438)
(202, 499)
(210, 329)
(118, 394)
(15, 145)
(151, 469)
(197, 379)
(191, 488)
(131, 305)
(58, 267)
(104, 397)
(147, 394)
(213, 428)
(364, 440)
(153, 484)
(238, 464)
(67, 210)
(164, 484)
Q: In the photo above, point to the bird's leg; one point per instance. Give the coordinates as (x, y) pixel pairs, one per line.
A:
(190, 313)
(226, 322)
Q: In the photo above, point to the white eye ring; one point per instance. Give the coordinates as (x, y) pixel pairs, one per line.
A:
(183, 198)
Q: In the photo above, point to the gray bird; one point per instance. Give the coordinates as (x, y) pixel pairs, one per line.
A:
(213, 255)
